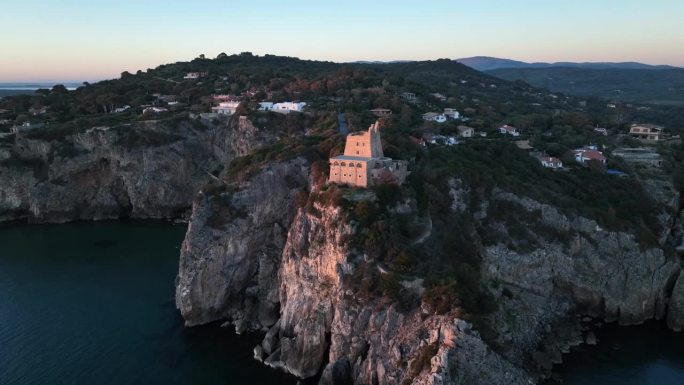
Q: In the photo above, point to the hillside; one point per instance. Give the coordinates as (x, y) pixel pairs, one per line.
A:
(654, 86)
(486, 63)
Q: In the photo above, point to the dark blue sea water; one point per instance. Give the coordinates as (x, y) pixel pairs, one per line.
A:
(93, 303)
(648, 354)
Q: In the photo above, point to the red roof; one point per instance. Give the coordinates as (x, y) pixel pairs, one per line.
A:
(592, 155)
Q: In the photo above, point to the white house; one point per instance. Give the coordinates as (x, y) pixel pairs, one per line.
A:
(287, 107)
(586, 154)
(154, 110)
(435, 117)
(441, 140)
(601, 131)
(509, 130)
(451, 113)
(551, 162)
(265, 106)
(226, 108)
(195, 75)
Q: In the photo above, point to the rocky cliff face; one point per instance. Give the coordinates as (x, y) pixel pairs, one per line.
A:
(321, 327)
(288, 275)
(148, 170)
(230, 258)
(584, 271)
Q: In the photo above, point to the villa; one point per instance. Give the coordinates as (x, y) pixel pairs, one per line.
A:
(364, 164)
(226, 108)
(435, 117)
(282, 108)
(551, 162)
(590, 153)
(451, 113)
(509, 130)
(647, 132)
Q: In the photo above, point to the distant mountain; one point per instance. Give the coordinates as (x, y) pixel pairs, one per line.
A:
(485, 63)
(654, 86)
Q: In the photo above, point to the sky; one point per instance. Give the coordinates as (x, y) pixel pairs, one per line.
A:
(78, 40)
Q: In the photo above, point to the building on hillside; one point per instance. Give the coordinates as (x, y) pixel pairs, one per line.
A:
(644, 156)
(381, 112)
(224, 98)
(408, 97)
(550, 162)
(647, 132)
(287, 107)
(601, 131)
(440, 140)
(265, 106)
(465, 131)
(435, 117)
(226, 108)
(451, 113)
(509, 130)
(154, 110)
(586, 154)
(364, 164)
(195, 75)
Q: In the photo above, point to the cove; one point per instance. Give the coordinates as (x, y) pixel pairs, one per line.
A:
(648, 354)
(93, 303)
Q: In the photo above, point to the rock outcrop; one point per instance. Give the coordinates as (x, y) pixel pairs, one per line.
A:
(230, 258)
(322, 326)
(146, 170)
(584, 270)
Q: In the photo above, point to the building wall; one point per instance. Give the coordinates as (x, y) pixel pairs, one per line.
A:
(354, 173)
(366, 144)
(358, 144)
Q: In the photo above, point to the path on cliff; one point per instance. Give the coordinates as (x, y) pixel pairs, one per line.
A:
(342, 123)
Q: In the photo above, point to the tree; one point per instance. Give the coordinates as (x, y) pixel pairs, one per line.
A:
(59, 89)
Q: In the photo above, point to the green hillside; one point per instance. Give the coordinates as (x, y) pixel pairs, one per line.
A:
(630, 85)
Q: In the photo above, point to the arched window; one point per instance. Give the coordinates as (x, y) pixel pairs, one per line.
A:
(358, 165)
(336, 163)
(351, 164)
(343, 164)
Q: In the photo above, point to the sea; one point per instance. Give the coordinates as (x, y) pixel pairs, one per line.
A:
(14, 88)
(93, 303)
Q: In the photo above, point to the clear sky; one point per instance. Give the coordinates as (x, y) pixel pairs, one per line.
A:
(47, 40)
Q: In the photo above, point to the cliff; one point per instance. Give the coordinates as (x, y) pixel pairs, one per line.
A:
(230, 257)
(287, 269)
(145, 170)
(582, 271)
